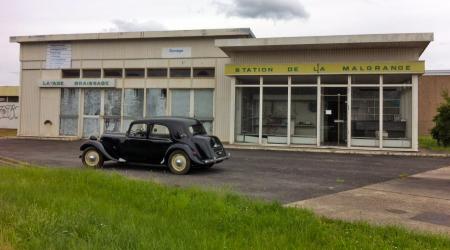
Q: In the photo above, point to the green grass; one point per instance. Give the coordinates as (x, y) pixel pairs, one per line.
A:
(86, 209)
(427, 142)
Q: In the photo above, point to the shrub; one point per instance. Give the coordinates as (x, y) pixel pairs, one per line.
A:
(441, 130)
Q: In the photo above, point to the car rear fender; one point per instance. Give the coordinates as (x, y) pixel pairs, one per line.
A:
(184, 148)
(99, 147)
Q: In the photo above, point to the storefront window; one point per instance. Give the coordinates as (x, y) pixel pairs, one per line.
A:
(113, 104)
(247, 80)
(397, 113)
(133, 107)
(304, 115)
(156, 102)
(303, 80)
(365, 116)
(91, 112)
(69, 111)
(365, 79)
(204, 107)
(334, 79)
(181, 99)
(275, 80)
(274, 120)
(247, 115)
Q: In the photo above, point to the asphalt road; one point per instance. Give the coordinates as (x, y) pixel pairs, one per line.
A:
(272, 175)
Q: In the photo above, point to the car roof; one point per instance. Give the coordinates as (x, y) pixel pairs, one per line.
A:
(169, 119)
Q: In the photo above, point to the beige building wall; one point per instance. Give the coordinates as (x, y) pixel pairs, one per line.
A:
(325, 55)
(41, 105)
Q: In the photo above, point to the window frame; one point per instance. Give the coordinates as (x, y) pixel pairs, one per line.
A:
(137, 69)
(180, 68)
(70, 70)
(136, 137)
(112, 69)
(204, 68)
(150, 132)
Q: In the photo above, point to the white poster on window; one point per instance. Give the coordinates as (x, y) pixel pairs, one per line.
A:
(59, 55)
(181, 52)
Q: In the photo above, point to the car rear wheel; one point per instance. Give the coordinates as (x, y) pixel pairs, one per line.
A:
(92, 158)
(179, 162)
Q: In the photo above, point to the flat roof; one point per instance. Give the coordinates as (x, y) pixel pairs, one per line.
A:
(232, 32)
(419, 40)
(445, 72)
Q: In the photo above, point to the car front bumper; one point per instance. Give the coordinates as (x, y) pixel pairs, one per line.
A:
(215, 160)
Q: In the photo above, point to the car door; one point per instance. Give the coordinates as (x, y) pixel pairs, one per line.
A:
(160, 140)
(137, 146)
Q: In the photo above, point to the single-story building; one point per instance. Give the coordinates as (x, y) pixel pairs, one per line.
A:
(346, 91)
(9, 107)
(432, 85)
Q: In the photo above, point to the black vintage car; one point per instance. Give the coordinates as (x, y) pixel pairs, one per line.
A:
(175, 142)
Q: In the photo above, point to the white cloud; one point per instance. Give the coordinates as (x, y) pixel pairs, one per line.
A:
(120, 25)
(265, 9)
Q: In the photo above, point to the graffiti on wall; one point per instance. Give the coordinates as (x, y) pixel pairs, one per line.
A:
(9, 111)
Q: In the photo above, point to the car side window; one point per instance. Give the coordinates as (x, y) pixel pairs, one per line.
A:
(138, 130)
(160, 131)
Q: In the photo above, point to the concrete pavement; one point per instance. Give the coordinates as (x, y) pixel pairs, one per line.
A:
(420, 202)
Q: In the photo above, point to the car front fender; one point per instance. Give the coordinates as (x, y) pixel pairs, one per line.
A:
(186, 149)
(99, 147)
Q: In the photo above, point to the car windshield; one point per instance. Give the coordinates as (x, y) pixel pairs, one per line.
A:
(197, 129)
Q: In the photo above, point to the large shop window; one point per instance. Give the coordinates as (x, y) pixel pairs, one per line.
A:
(156, 102)
(204, 107)
(274, 120)
(203, 103)
(69, 111)
(397, 113)
(365, 116)
(133, 107)
(181, 99)
(304, 115)
(113, 104)
(91, 122)
(247, 115)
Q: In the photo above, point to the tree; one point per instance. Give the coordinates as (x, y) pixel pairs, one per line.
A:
(441, 130)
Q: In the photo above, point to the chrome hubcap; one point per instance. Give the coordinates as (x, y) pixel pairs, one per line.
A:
(92, 158)
(179, 162)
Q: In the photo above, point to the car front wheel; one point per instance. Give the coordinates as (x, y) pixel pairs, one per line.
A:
(179, 162)
(92, 158)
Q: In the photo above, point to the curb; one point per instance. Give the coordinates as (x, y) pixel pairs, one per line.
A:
(338, 151)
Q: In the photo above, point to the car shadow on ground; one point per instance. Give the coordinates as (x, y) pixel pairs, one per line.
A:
(198, 171)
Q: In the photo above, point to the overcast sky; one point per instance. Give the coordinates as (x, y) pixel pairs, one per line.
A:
(267, 18)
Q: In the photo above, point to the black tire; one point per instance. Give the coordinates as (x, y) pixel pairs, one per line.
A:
(179, 162)
(92, 158)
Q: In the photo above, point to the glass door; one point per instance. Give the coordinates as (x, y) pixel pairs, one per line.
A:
(334, 116)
